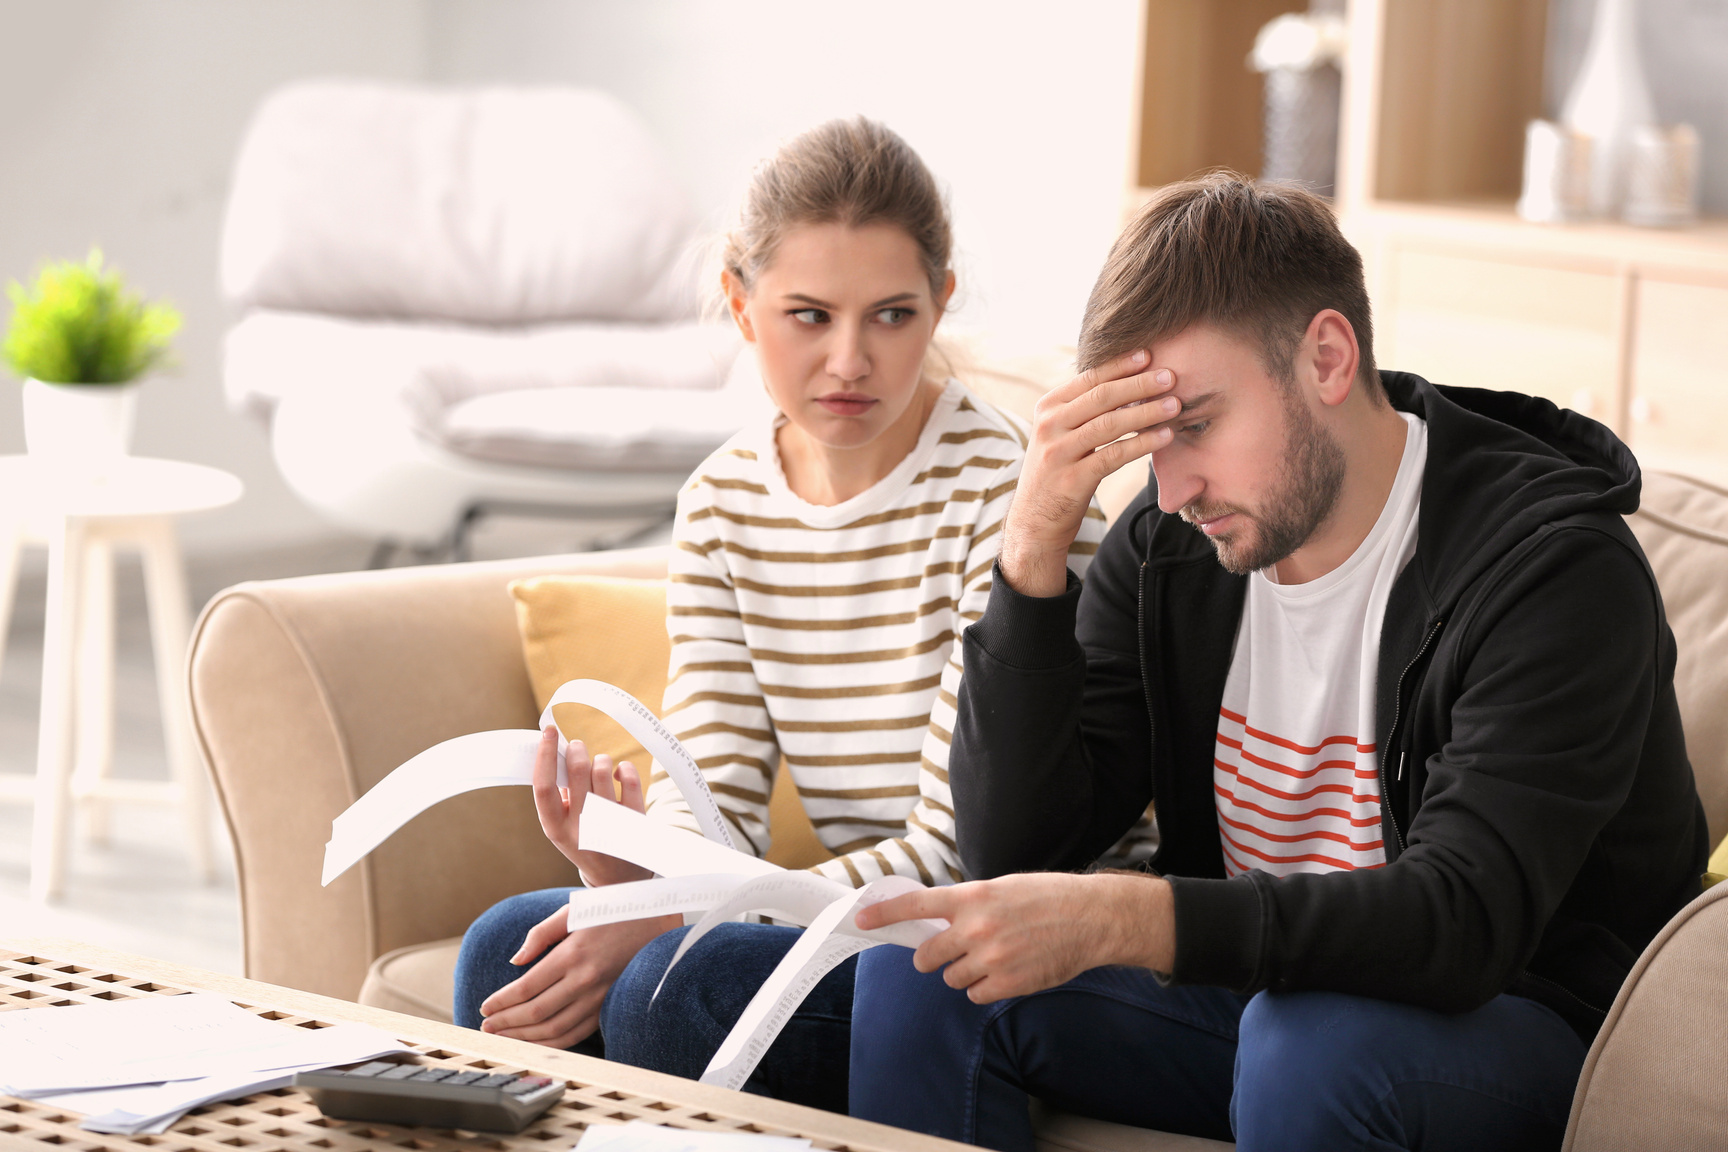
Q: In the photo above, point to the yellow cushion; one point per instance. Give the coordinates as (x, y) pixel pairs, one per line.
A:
(607, 628)
(614, 629)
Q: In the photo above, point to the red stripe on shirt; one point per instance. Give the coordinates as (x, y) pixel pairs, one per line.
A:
(1290, 744)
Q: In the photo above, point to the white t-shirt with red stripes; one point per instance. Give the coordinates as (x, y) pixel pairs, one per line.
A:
(1296, 771)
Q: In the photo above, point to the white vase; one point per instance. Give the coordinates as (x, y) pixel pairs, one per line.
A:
(79, 421)
(1609, 101)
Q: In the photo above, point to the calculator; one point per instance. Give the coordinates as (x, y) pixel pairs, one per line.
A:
(419, 1094)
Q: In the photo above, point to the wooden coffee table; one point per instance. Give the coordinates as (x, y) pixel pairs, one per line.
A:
(47, 973)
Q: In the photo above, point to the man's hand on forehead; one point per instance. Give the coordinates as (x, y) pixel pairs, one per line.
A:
(1084, 430)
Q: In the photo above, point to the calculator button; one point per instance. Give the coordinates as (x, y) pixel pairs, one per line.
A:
(400, 1072)
(465, 1077)
(427, 1075)
(497, 1080)
(528, 1085)
(371, 1069)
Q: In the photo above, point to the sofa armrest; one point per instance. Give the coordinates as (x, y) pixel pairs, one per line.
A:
(307, 692)
(1653, 1077)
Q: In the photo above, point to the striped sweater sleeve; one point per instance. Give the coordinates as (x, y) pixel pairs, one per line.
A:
(926, 851)
(713, 701)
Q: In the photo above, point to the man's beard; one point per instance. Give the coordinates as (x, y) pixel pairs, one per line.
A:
(1313, 477)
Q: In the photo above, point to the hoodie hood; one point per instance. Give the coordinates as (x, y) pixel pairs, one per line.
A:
(1500, 466)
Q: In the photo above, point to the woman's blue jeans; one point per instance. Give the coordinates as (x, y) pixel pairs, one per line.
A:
(679, 1030)
(1297, 1070)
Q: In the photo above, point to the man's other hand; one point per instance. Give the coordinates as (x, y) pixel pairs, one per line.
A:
(1078, 435)
(557, 1001)
(1020, 934)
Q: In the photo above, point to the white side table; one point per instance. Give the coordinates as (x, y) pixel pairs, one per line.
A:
(83, 511)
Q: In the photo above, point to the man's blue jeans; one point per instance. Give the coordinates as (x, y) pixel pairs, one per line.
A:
(679, 1030)
(1299, 1070)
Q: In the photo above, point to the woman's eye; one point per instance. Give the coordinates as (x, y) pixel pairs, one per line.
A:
(894, 315)
(810, 316)
(1195, 429)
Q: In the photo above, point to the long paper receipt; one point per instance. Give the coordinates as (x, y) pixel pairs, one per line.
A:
(490, 759)
(705, 874)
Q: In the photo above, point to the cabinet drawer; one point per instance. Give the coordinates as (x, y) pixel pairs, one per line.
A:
(1680, 378)
(1485, 323)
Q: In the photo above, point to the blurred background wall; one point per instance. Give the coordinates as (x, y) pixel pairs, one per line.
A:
(122, 118)
(120, 126)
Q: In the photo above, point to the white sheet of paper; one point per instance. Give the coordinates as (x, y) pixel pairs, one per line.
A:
(506, 757)
(640, 1136)
(48, 1051)
(639, 720)
(639, 899)
(465, 764)
(815, 954)
(666, 851)
(147, 1109)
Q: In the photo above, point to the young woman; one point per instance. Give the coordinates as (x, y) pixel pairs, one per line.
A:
(823, 567)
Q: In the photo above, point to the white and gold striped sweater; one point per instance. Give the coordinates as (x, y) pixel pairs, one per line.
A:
(829, 636)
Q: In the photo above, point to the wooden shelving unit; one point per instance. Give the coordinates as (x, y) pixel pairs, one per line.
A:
(1627, 325)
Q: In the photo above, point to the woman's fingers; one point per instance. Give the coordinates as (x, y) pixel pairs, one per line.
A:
(542, 936)
(601, 777)
(630, 783)
(549, 800)
(522, 990)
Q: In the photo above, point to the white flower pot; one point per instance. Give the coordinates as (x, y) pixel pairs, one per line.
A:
(79, 421)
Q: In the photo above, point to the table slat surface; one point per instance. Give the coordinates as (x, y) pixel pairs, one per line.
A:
(286, 1120)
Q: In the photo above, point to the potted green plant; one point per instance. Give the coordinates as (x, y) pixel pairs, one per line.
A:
(82, 340)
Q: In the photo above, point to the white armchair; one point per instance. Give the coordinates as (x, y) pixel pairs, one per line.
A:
(457, 301)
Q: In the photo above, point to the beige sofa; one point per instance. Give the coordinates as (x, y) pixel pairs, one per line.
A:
(306, 692)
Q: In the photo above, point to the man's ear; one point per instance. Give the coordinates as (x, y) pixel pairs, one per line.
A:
(737, 300)
(1330, 355)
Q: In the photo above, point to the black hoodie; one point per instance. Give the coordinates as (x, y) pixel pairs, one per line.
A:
(1538, 809)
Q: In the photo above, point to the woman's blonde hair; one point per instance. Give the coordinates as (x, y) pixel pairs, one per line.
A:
(852, 172)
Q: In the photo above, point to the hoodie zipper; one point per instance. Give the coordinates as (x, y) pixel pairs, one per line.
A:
(1392, 733)
(1145, 670)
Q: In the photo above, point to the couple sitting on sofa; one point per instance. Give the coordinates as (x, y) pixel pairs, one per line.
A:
(1386, 655)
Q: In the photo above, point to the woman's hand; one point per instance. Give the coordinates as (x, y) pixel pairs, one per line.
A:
(560, 809)
(1077, 440)
(557, 1001)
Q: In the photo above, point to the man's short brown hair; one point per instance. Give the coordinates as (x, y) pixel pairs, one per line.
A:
(1259, 260)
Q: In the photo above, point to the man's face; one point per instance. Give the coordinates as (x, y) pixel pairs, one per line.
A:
(1251, 465)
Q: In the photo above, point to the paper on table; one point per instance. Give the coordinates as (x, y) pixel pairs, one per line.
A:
(505, 757)
(47, 1052)
(147, 1109)
(640, 1136)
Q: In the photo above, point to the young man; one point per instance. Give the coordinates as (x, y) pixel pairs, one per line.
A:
(1399, 679)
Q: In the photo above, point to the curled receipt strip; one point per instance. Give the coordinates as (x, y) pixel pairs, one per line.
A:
(491, 759)
(705, 874)
(687, 867)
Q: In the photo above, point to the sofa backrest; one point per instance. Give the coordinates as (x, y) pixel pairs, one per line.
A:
(484, 205)
(1683, 526)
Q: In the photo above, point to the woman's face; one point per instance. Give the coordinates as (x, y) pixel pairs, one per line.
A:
(841, 318)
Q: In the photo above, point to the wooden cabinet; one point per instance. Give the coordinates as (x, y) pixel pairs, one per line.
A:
(1679, 403)
(1627, 325)
(1474, 319)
